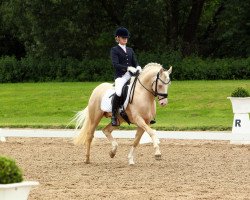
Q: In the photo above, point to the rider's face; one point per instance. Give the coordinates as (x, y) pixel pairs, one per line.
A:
(122, 40)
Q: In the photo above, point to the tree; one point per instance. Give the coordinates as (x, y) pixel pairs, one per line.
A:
(191, 26)
(56, 28)
(9, 43)
(233, 31)
(84, 29)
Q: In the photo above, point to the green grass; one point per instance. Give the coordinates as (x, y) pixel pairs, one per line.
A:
(193, 105)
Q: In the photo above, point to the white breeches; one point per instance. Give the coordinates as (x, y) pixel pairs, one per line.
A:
(119, 83)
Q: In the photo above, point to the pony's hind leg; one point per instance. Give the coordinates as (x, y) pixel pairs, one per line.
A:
(131, 154)
(88, 142)
(108, 132)
(93, 122)
(86, 133)
(90, 118)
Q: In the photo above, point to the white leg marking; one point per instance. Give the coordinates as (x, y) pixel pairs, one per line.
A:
(114, 146)
(131, 156)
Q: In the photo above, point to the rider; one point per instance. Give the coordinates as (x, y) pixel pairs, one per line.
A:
(125, 63)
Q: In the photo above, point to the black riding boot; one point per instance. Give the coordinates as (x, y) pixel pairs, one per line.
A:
(115, 107)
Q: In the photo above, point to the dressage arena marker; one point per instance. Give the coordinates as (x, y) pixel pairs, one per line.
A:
(241, 122)
(121, 134)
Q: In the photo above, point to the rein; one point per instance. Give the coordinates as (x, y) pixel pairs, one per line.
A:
(155, 93)
(132, 91)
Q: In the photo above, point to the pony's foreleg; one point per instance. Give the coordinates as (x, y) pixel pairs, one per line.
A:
(131, 154)
(108, 132)
(141, 123)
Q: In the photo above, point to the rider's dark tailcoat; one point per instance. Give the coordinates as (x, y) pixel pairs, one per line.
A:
(121, 60)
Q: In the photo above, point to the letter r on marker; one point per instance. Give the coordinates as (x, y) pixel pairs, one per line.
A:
(237, 123)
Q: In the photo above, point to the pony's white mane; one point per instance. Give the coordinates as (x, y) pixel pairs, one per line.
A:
(153, 68)
(152, 65)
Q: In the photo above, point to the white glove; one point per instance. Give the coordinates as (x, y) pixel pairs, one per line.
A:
(139, 69)
(132, 70)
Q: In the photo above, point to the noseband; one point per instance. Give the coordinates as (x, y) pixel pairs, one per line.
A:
(155, 93)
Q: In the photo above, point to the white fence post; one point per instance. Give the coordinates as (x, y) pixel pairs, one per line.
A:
(241, 122)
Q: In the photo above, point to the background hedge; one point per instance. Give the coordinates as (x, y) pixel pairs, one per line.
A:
(31, 69)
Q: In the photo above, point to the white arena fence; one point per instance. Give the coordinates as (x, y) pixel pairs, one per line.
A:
(122, 134)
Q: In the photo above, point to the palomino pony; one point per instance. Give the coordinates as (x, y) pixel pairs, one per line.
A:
(153, 82)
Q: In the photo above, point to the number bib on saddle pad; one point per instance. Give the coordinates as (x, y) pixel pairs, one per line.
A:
(106, 104)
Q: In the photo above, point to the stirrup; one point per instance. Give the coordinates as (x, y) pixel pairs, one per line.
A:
(114, 121)
(152, 121)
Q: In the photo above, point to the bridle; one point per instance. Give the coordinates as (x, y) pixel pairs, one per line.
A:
(155, 93)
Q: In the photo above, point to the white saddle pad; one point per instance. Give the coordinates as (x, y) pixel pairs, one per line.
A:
(106, 104)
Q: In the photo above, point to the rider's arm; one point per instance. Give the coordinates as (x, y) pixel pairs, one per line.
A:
(115, 60)
(134, 60)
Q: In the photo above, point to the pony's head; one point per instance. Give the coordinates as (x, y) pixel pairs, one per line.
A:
(161, 84)
(160, 81)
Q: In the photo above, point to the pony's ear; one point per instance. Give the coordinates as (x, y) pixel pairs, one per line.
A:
(170, 70)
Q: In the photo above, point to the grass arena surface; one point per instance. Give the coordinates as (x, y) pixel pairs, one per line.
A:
(188, 170)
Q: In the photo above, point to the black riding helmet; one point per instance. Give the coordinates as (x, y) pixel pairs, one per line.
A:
(122, 32)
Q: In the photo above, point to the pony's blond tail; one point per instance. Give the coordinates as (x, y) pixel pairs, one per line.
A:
(82, 120)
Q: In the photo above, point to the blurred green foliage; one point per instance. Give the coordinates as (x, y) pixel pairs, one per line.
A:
(84, 29)
(9, 171)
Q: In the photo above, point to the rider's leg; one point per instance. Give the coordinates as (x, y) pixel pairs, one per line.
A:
(115, 107)
(119, 83)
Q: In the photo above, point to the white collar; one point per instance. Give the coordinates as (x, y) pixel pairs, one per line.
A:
(123, 47)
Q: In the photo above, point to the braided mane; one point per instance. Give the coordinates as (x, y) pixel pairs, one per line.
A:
(152, 65)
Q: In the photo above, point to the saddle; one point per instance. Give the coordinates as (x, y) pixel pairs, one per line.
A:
(106, 103)
(124, 93)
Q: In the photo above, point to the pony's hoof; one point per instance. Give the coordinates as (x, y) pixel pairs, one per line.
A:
(111, 154)
(131, 163)
(87, 162)
(158, 157)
